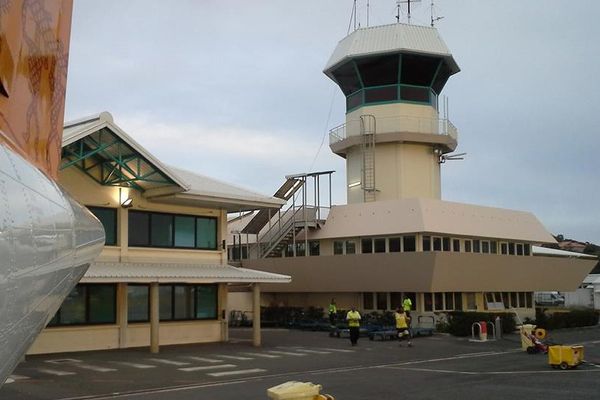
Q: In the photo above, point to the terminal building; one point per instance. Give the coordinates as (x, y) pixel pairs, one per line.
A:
(162, 277)
(396, 236)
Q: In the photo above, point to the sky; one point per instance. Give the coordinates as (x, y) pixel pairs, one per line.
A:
(234, 90)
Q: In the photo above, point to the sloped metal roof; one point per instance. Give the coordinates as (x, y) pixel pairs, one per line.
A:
(202, 185)
(188, 187)
(102, 272)
(393, 38)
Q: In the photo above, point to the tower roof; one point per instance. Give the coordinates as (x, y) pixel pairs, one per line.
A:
(389, 39)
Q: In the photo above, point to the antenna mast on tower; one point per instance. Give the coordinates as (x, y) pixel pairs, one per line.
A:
(434, 19)
(408, 4)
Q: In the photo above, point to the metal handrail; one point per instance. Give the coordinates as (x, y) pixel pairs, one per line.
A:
(436, 126)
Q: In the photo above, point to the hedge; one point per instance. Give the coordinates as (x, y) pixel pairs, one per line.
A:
(571, 319)
(459, 323)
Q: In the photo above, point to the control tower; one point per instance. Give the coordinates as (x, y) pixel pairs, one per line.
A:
(394, 139)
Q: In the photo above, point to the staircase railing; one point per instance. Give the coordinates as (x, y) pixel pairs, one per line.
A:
(292, 218)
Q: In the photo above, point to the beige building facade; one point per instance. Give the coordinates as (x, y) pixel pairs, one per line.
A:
(162, 277)
(396, 237)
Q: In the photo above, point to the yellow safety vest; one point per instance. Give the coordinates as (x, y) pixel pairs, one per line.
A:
(407, 304)
(401, 321)
(353, 318)
(332, 309)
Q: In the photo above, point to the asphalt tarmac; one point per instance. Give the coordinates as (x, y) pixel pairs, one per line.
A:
(434, 368)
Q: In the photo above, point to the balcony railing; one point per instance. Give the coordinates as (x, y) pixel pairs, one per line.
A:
(435, 126)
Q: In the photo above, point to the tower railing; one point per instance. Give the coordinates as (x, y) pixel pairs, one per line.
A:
(400, 123)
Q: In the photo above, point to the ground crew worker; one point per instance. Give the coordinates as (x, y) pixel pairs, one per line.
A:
(407, 305)
(402, 323)
(332, 312)
(353, 318)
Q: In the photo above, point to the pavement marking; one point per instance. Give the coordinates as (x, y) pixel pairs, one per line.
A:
(234, 357)
(313, 351)
(134, 365)
(64, 361)
(263, 355)
(169, 362)
(55, 372)
(207, 367)
(238, 372)
(286, 353)
(337, 350)
(445, 371)
(14, 378)
(203, 359)
(93, 367)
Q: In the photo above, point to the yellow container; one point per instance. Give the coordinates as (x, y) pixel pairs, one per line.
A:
(526, 330)
(294, 390)
(565, 357)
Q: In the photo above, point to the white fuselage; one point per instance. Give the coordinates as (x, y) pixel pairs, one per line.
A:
(47, 241)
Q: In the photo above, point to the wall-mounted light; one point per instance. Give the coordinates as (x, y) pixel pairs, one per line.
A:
(354, 184)
(124, 199)
(128, 202)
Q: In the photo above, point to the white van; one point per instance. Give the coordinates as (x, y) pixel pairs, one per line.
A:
(549, 299)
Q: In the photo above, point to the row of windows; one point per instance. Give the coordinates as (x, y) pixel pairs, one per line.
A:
(148, 229)
(430, 243)
(176, 302)
(505, 300)
(387, 301)
(92, 304)
(448, 301)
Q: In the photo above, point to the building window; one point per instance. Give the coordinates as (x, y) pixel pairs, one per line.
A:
(366, 246)
(504, 248)
(395, 300)
(449, 301)
(368, 301)
(165, 300)
(485, 246)
(188, 302)
(300, 249)
(476, 246)
(381, 301)
(468, 246)
(409, 243)
(149, 229)
(394, 245)
(87, 304)
(511, 249)
(314, 247)
(437, 244)
(528, 300)
(350, 247)
(379, 245)
(493, 247)
(138, 303)
(456, 245)
(428, 301)
(458, 301)
(185, 231)
(519, 249)
(438, 301)
(471, 301)
(446, 244)
(426, 243)
(526, 249)
(108, 218)
(338, 247)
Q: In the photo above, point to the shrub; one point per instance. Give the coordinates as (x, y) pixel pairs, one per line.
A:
(571, 319)
(459, 323)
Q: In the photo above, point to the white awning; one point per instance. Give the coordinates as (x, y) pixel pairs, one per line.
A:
(545, 251)
(102, 272)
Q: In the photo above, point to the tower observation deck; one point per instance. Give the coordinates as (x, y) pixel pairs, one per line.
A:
(394, 136)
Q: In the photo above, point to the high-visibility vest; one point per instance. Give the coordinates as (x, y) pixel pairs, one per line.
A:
(332, 308)
(407, 304)
(353, 318)
(401, 321)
